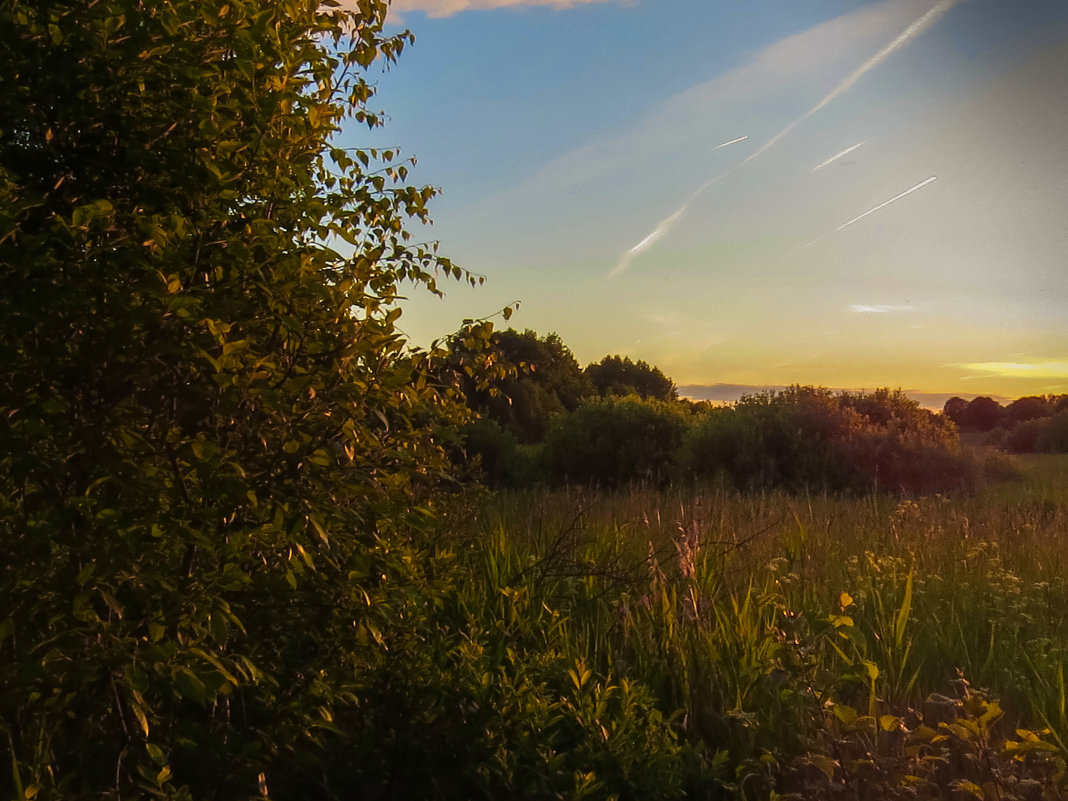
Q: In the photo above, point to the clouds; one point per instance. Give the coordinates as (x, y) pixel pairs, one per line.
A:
(912, 31)
(689, 126)
(878, 308)
(1050, 368)
(446, 8)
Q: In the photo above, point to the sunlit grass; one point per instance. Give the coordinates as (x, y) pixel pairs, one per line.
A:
(756, 619)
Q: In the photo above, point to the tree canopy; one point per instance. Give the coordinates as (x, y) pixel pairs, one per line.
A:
(616, 375)
(537, 378)
(212, 435)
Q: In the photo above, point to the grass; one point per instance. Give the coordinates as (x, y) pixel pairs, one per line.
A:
(811, 644)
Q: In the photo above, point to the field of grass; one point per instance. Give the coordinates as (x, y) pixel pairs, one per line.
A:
(818, 646)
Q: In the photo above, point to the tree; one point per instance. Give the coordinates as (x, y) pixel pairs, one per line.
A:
(537, 377)
(1027, 408)
(213, 439)
(983, 414)
(615, 375)
(955, 409)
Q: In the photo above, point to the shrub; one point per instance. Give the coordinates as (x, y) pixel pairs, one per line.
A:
(213, 438)
(613, 440)
(496, 456)
(1041, 435)
(772, 440)
(810, 438)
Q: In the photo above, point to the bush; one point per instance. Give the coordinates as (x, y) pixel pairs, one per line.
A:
(496, 456)
(1041, 435)
(214, 441)
(610, 441)
(810, 438)
(772, 440)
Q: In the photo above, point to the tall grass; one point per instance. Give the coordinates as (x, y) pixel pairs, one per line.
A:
(788, 636)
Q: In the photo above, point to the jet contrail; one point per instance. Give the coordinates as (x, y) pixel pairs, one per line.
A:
(837, 156)
(912, 31)
(809, 244)
(920, 185)
(732, 142)
(645, 244)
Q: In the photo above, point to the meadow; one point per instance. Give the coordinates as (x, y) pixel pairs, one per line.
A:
(792, 645)
(248, 555)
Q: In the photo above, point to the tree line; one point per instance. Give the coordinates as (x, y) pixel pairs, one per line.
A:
(546, 420)
(1031, 424)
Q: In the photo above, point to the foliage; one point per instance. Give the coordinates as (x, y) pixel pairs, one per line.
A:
(773, 439)
(539, 377)
(214, 443)
(811, 437)
(496, 457)
(817, 646)
(978, 415)
(613, 440)
(615, 375)
(1031, 424)
(1041, 435)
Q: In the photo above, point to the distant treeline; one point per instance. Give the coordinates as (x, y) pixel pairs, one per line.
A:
(1032, 424)
(550, 421)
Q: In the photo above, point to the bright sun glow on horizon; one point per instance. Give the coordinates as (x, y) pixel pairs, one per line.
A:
(755, 194)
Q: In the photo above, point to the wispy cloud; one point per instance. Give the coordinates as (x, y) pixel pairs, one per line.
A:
(837, 156)
(878, 308)
(645, 244)
(1050, 368)
(446, 8)
(903, 38)
(916, 28)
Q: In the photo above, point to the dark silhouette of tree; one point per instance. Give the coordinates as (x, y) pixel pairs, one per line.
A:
(212, 435)
(1027, 408)
(538, 377)
(955, 409)
(616, 375)
(983, 414)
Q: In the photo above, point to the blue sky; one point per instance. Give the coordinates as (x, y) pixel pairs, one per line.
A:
(565, 135)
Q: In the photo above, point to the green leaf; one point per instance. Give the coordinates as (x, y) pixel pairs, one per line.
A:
(890, 723)
(190, 686)
(824, 763)
(844, 713)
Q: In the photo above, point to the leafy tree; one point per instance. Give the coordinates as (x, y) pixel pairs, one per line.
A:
(955, 409)
(1027, 408)
(537, 378)
(615, 375)
(213, 440)
(983, 414)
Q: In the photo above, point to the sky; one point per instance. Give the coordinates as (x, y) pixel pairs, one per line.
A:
(849, 194)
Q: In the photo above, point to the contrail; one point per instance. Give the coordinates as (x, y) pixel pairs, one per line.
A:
(920, 185)
(879, 308)
(732, 142)
(912, 31)
(809, 244)
(837, 156)
(645, 244)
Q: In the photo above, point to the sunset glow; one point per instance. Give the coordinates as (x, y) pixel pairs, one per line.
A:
(752, 194)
